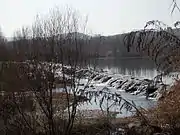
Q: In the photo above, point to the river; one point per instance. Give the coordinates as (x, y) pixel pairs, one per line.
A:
(137, 67)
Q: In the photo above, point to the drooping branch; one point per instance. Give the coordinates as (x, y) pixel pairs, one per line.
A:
(158, 41)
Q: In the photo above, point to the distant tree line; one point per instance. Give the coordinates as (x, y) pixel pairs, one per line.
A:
(41, 48)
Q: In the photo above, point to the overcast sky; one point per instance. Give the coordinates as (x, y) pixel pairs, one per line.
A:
(106, 17)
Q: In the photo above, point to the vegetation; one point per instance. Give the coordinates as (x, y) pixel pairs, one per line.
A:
(29, 74)
(53, 54)
(40, 58)
(161, 43)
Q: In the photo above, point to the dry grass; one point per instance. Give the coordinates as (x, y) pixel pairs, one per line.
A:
(166, 114)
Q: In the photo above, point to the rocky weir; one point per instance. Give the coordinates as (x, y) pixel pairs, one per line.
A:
(150, 89)
(140, 91)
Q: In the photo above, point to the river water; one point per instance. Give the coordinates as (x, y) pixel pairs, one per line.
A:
(137, 67)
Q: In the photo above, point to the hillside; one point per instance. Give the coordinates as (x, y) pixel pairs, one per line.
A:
(114, 46)
(102, 46)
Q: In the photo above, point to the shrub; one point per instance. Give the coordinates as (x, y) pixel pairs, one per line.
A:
(166, 114)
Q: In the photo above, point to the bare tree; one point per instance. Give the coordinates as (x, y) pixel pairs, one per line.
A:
(54, 60)
(58, 35)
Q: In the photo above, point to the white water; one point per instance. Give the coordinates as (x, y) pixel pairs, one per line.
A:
(114, 71)
(139, 100)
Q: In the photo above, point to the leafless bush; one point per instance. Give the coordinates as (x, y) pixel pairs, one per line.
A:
(57, 35)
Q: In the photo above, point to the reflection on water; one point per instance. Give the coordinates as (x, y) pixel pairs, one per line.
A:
(138, 67)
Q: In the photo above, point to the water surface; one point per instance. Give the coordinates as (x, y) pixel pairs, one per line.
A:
(138, 67)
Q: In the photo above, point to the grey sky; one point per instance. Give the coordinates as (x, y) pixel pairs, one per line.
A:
(106, 17)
